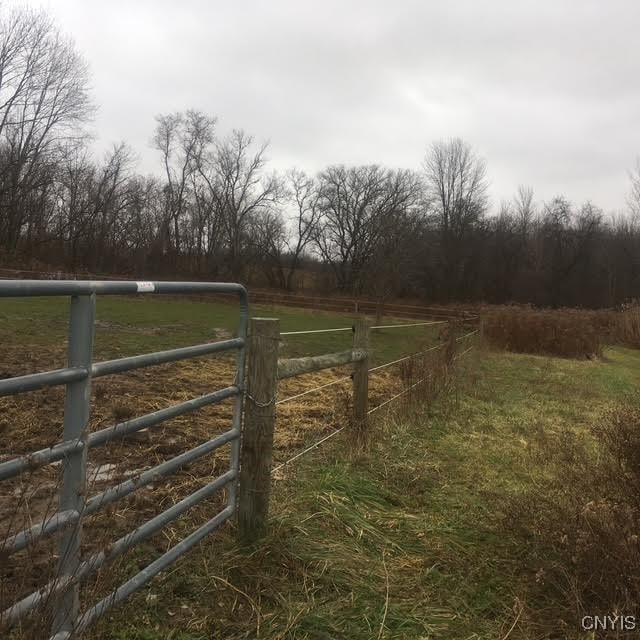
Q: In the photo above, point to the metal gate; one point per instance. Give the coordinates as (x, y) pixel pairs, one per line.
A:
(72, 451)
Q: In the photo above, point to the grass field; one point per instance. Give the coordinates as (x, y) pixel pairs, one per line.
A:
(130, 325)
(411, 539)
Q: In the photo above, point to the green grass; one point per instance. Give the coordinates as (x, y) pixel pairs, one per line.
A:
(409, 540)
(129, 325)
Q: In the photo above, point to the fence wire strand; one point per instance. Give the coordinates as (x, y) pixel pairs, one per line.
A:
(310, 448)
(398, 395)
(322, 386)
(461, 354)
(411, 355)
(302, 333)
(412, 324)
(382, 404)
(345, 378)
(315, 445)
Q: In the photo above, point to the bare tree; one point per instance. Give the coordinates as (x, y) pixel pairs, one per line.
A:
(457, 180)
(525, 209)
(140, 226)
(182, 139)
(240, 189)
(44, 100)
(110, 200)
(282, 241)
(633, 199)
(358, 205)
(351, 219)
(303, 191)
(209, 229)
(219, 211)
(73, 188)
(269, 237)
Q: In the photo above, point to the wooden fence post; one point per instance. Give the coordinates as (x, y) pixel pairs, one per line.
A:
(379, 311)
(361, 380)
(450, 347)
(259, 420)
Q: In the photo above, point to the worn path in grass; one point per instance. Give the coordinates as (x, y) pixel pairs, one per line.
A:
(406, 541)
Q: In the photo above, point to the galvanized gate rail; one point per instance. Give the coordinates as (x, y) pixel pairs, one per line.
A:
(63, 591)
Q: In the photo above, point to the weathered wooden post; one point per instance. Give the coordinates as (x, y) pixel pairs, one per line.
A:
(379, 311)
(361, 379)
(259, 421)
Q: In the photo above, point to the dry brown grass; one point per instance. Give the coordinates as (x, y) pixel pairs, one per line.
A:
(586, 521)
(626, 326)
(568, 333)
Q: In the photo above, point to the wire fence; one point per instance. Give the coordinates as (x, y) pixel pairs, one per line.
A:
(259, 401)
(379, 367)
(411, 324)
(304, 333)
(405, 358)
(382, 326)
(314, 390)
(307, 450)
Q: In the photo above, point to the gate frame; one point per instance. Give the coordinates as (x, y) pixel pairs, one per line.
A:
(73, 449)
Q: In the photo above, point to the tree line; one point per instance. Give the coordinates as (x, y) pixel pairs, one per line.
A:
(215, 209)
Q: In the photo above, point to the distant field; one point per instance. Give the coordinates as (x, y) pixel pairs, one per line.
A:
(128, 325)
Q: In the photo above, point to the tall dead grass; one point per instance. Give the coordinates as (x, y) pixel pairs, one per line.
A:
(568, 333)
(585, 524)
(626, 325)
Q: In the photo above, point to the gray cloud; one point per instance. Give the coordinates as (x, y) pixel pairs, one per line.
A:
(548, 92)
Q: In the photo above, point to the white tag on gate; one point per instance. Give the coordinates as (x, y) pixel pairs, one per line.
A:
(145, 287)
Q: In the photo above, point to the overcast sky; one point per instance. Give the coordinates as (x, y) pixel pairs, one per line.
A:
(547, 91)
